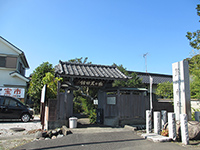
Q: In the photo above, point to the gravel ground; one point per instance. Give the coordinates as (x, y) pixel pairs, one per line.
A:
(10, 138)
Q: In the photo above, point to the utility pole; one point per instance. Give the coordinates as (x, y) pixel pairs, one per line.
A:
(145, 56)
(151, 88)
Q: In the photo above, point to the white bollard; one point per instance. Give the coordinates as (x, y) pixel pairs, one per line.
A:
(197, 116)
(172, 125)
(163, 118)
(148, 121)
(157, 122)
(184, 129)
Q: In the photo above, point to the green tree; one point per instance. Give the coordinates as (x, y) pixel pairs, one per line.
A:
(80, 60)
(134, 81)
(52, 84)
(194, 62)
(36, 83)
(194, 68)
(165, 90)
(194, 37)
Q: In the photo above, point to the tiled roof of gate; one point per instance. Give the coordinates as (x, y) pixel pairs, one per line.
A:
(90, 71)
(157, 78)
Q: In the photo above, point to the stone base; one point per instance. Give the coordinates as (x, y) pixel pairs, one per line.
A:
(156, 138)
(133, 121)
(115, 121)
(56, 124)
(111, 121)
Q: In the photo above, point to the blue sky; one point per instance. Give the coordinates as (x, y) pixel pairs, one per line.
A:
(105, 31)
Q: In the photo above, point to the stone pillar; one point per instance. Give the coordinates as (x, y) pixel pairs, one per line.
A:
(148, 121)
(197, 116)
(163, 118)
(157, 122)
(184, 129)
(172, 125)
(181, 89)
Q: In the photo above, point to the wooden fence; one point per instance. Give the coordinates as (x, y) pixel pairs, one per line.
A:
(127, 106)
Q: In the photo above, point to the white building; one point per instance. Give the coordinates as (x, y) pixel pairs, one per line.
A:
(13, 65)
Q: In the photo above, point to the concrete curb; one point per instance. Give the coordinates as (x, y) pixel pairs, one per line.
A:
(130, 127)
(31, 136)
(156, 138)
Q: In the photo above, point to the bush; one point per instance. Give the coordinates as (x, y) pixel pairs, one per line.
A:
(92, 116)
(193, 113)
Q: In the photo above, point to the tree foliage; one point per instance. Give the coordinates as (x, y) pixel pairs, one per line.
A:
(194, 62)
(194, 68)
(194, 37)
(80, 60)
(134, 81)
(52, 84)
(165, 90)
(36, 83)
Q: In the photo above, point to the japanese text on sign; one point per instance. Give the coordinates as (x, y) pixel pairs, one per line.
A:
(89, 83)
(14, 92)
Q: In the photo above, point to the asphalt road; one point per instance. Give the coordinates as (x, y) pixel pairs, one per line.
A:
(123, 140)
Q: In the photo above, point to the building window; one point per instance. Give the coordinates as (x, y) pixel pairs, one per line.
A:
(8, 62)
(11, 62)
(21, 69)
(2, 61)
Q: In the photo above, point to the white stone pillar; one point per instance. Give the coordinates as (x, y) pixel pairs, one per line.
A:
(163, 118)
(197, 116)
(172, 125)
(184, 129)
(181, 89)
(148, 121)
(157, 122)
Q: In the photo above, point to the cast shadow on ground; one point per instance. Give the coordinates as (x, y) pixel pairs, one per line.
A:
(91, 143)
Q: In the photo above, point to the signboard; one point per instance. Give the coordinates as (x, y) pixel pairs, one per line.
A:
(85, 82)
(14, 92)
(43, 94)
(95, 101)
(111, 100)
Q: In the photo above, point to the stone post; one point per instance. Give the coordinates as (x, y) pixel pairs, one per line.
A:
(172, 125)
(181, 89)
(184, 129)
(157, 122)
(197, 116)
(163, 118)
(148, 121)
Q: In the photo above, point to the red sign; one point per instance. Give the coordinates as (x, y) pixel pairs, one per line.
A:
(14, 92)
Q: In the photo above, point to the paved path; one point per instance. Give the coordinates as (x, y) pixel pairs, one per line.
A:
(121, 139)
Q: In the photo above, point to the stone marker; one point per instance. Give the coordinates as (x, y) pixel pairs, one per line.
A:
(157, 122)
(172, 125)
(148, 121)
(197, 116)
(184, 129)
(181, 89)
(163, 118)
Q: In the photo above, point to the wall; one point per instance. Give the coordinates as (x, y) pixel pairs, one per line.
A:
(195, 104)
(7, 79)
(5, 49)
(129, 109)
